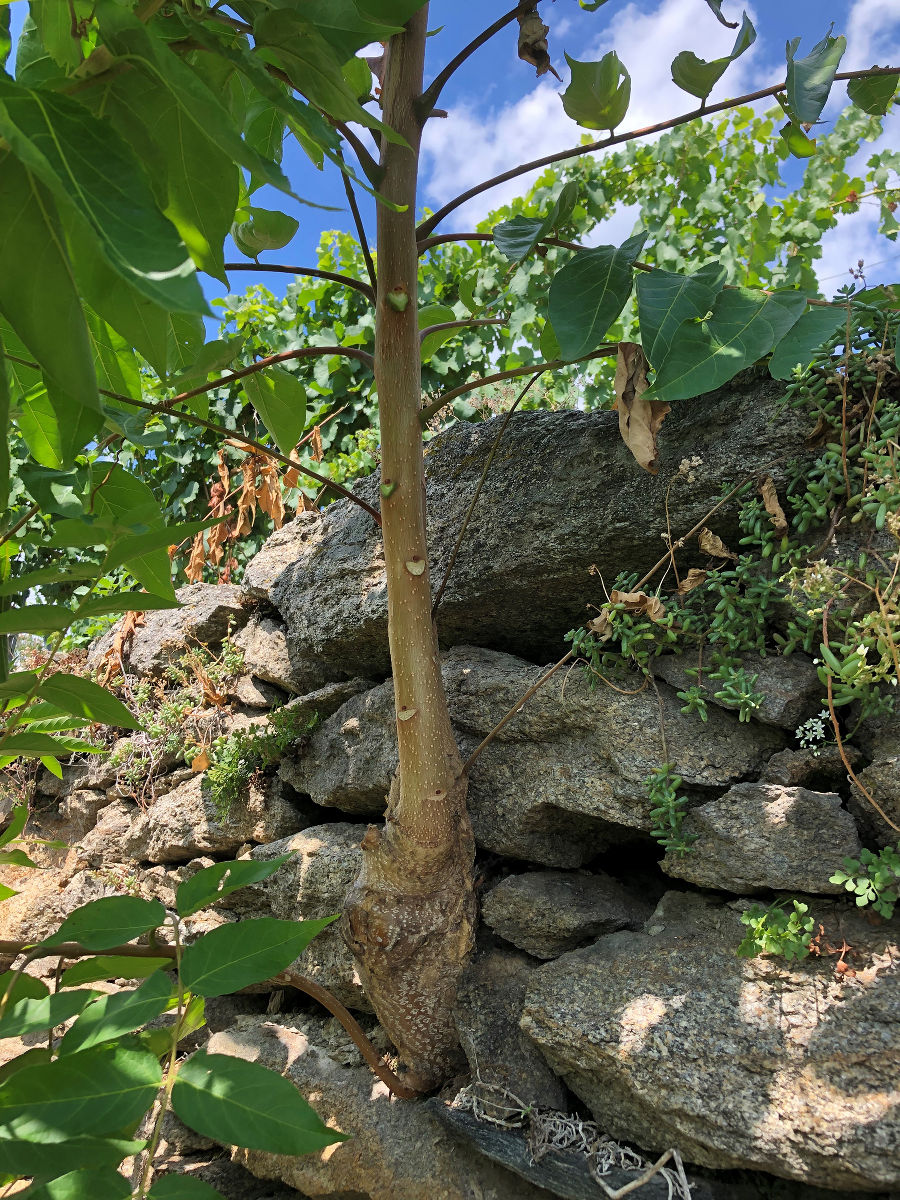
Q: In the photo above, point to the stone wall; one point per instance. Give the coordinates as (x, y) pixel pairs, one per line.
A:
(605, 980)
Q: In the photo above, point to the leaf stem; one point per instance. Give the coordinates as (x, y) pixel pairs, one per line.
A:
(429, 98)
(312, 272)
(360, 228)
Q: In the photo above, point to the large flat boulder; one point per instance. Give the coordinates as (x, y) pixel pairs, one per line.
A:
(671, 1039)
(563, 780)
(567, 488)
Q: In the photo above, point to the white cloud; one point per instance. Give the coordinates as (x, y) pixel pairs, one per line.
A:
(474, 143)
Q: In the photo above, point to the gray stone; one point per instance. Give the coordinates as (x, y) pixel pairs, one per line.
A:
(549, 912)
(106, 843)
(671, 1039)
(882, 779)
(560, 1173)
(822, 769)
(489, 1001)
(256, 693)
(74, 775)
(790, 685)
(80, 808)
(762, 835)
(269, 656)
(396, 1150)
(563, 780)
(208, 612)
(522, 594)
(325, 860)
(185, 822)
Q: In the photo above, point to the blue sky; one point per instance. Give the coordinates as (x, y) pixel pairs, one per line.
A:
(500, 114)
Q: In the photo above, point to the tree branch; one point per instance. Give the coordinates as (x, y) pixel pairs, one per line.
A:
(371, 168)
(439, 238)
(284, 356)
(423, 334)
(617, 140)
(429, 98)
(435, 406)
(360, 228)
(286, 459)
(312, 272)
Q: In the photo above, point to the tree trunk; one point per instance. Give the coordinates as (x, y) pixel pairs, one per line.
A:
(410, 916)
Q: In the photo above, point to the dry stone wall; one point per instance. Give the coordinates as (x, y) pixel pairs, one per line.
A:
(606, 978)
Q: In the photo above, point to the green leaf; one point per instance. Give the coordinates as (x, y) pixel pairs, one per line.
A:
(54, 1153)
(743, 327)
(15, 858)
(86, 163)
(24, 987)
(98, 1092)
(102, 924)
(129, 39)
(212, 357)
(596, 98)
(100, 1183)
(797, 142)
(122, 602)
(234, 956)
(38, 295)
(57, 492)
(182, 1187)
(36, 618)
(314, 67)
(16, 825)
(53, 766)
(53, 20)
(54, 428)
(84, 698)
(874, 93)
(5, 38)
(800, 343)
(716, 6)
(809, 79)
(28, 1016)
(115, 361)
(29, 745)
(103, 966)
(4, 419)
(517, 237)
(195, 181)
(280, 399)
(264, 230)
(666, 301)
(245, 1104)
(17, 686)
(137, 545)
(589, 292)
(698, 76)
(120, 498)
(121, 1012)
(210, 884)
(435, 314)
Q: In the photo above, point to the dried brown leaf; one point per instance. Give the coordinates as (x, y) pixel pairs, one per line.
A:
(316, 445)
(692, 580)
(246, 513)
(291, 477)
(773, 508)
(112, 659)
(201, 761)
(197, 561)
(270, 499)
(639, 419)
(533, 43)
(711, 543)
(640, 602)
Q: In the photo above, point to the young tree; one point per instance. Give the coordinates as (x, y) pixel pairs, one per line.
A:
(132, 143)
